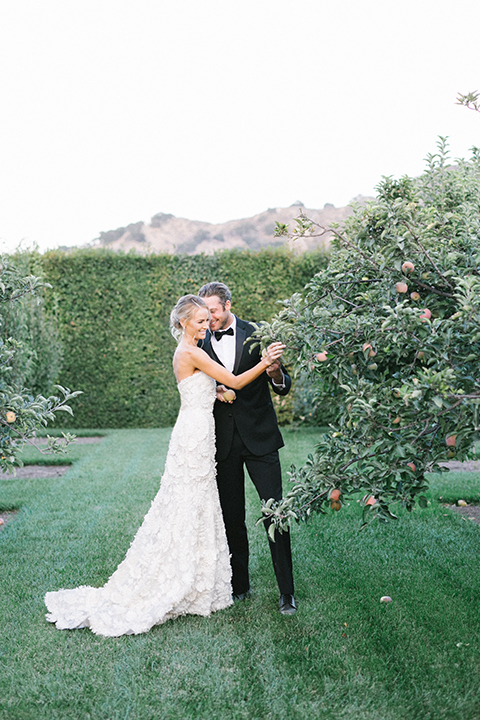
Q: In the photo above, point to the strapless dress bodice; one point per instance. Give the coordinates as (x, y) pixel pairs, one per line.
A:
(197, 392)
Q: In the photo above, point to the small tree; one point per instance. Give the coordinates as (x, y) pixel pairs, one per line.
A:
(22, 414)
(37, 363)
(390, 332)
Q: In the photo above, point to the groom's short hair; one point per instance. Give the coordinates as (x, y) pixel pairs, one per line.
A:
(216, 288)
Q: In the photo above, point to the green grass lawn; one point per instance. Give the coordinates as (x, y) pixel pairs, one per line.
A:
(343, 655)
(73, 452)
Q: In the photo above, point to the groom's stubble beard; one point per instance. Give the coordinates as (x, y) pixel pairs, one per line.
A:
(226, 322)
(222, 323)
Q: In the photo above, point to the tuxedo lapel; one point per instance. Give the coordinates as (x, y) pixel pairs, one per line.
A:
(209, 349)
(240, 336)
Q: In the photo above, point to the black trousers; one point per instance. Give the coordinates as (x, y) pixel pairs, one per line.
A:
(266, 475)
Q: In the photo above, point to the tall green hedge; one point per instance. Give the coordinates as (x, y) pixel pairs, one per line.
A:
(114, 309)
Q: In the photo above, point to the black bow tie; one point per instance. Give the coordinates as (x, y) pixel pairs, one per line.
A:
(220, 333)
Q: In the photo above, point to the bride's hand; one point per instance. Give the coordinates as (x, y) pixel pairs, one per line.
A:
(273, 352)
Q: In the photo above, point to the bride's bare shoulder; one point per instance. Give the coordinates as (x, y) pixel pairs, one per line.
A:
(187, 353)
(185, 361)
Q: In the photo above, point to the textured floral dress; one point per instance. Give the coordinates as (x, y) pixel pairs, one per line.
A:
(178, 562)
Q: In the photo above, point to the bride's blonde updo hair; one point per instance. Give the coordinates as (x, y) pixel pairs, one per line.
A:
(185, 309)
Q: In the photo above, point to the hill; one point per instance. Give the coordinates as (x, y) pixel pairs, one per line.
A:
(168, 234)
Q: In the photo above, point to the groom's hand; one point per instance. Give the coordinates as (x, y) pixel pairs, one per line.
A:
(274, 371)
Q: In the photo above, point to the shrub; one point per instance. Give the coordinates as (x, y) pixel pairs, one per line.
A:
(37, 362)
(21, 414)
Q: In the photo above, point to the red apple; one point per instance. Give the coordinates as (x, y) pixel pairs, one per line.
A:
(426, 315)
(451, 440)
(321, 356)
(408, 267)
(401, 287)
(335, 495)
(415, 296)
(412, 466)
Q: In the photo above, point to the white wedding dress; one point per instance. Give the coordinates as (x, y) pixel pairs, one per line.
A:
(178, 562)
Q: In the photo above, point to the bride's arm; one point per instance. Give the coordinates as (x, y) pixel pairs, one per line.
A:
(205, 363)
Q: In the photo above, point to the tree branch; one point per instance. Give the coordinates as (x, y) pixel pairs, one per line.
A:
(417, 240)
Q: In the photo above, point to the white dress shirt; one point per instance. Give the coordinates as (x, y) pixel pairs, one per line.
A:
(225, 348)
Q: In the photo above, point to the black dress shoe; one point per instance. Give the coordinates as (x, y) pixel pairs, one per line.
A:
(238, 597)
(287, 604)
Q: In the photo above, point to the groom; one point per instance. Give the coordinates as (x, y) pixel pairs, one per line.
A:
(246, 434)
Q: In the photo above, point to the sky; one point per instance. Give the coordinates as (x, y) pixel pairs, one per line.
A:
(114, 110)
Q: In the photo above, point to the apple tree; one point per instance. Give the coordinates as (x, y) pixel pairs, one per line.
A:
(22, 413)
(390, 333)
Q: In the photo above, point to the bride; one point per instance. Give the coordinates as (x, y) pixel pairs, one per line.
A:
(178, 562)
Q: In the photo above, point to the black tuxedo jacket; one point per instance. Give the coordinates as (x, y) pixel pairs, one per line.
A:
(252, 412)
